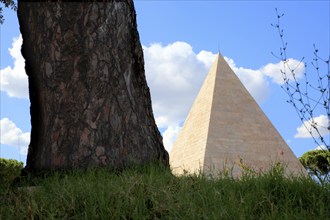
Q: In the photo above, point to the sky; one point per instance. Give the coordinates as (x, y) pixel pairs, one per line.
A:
(180, 41)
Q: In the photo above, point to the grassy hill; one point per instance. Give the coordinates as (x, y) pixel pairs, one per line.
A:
(152, 192)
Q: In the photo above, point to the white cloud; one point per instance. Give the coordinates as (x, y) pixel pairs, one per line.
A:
(253, 80)
(273, 70)
(11, 135)
(169, 136)
(321, 123)
(175, 74)
(14, 81)
(206, 57)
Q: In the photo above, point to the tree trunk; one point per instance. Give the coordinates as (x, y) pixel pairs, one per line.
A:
(90, 103)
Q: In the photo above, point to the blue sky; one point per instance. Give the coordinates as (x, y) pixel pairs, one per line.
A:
(180, 40)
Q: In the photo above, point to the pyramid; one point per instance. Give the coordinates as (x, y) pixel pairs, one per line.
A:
(226, 128)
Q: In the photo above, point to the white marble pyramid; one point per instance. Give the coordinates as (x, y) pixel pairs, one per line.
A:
(226, 128)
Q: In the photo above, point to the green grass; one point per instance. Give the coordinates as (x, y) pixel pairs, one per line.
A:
(152, 192)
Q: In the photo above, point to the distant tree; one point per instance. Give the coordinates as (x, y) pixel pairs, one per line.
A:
(7, 3)
(309, 97)
(317, 164)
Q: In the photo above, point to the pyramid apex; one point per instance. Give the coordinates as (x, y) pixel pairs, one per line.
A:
(219, 54)
(220, 58)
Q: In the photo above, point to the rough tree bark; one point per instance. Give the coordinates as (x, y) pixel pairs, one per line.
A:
(90, 103)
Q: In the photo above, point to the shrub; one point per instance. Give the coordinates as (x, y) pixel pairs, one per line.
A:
(9, 170)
